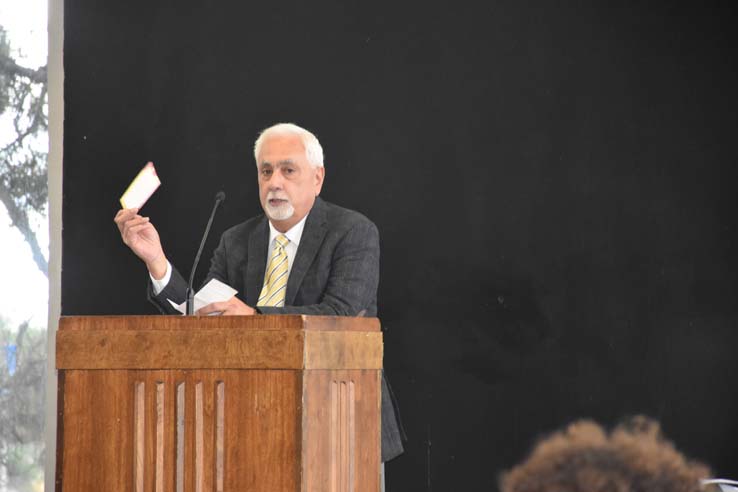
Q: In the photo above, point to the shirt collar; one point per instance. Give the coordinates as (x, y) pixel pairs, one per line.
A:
(293, 234)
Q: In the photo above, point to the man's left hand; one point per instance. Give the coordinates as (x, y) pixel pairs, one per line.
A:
(231, 307)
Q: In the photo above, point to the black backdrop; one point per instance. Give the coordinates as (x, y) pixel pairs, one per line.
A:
(554, 187)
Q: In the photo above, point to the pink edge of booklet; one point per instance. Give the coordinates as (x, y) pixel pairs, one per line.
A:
(141, 188)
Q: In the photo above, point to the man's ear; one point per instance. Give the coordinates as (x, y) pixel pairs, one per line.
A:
(319, 177)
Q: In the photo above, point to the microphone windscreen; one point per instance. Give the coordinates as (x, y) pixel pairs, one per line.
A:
(220, 196)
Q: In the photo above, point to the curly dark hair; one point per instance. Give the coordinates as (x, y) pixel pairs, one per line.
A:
(634, 457)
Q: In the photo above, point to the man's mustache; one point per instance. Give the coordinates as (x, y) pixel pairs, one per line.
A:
(277, 196)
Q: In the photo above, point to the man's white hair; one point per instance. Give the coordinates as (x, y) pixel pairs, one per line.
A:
(313, 150)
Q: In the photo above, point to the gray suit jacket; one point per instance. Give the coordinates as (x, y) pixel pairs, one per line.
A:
(335, 272)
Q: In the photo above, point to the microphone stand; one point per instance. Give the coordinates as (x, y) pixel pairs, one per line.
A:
(190, 292)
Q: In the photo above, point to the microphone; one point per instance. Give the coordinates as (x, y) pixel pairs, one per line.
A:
(190, 308)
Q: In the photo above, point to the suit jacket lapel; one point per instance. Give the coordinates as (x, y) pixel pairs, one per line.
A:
(312, 238)
(256, 262)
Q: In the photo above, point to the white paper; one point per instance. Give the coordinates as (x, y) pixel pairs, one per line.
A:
(141, 188)
(213, 291)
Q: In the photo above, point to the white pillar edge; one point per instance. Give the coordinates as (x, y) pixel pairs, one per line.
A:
(56, 141)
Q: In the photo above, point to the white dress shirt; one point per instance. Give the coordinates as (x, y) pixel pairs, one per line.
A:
(294, 235)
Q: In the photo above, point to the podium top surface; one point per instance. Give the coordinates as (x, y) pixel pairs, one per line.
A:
(284, 322)
(218, 342)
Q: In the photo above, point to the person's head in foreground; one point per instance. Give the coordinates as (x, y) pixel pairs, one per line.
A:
(634, 457)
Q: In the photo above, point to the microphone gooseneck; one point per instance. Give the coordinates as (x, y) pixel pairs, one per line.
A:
(190, 294)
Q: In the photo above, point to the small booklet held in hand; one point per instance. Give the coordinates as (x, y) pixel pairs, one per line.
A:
(143, 186)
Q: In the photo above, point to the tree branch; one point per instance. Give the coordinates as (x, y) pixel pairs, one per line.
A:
(8, 65)
(19, 217)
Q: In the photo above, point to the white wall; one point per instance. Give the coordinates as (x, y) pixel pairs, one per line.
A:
(56, 132)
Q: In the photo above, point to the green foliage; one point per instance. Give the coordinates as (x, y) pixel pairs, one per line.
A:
(22, 402)
(23, 191)
(4, 79)
(23, 94)
(23, 169)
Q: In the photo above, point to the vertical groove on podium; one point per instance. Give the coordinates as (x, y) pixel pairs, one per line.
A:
(159, 460)
(139, 419)
(334, 438)
(351, 438)
(199, 440)
(342, 436)
(342, 429)
(179, 478)
(209, 437)
(219, 434)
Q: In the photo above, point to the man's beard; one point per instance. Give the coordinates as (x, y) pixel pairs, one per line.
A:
(280, 212)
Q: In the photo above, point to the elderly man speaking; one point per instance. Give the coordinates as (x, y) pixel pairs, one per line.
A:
(303, 256)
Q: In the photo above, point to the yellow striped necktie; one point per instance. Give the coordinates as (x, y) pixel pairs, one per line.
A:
(275, 280)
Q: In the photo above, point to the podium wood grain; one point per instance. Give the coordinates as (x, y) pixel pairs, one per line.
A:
(298, 412)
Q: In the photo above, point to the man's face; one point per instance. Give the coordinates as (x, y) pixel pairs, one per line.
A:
(288, 184)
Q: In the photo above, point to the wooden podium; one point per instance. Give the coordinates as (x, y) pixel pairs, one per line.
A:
(194, 404)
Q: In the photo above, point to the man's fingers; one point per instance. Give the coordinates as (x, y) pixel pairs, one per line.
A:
(124, 217)
(126, 211)
(134, 225)
(231, 307)
(135, 229)
(137, 221)
(125, 214)
(213, 307)
(136, 234)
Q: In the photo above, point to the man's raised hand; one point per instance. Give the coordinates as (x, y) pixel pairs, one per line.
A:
(141, 236)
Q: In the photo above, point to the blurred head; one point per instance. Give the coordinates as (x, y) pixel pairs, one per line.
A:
(289, 162)
(634, 457)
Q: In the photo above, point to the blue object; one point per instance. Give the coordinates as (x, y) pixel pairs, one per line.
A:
(11, 357)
